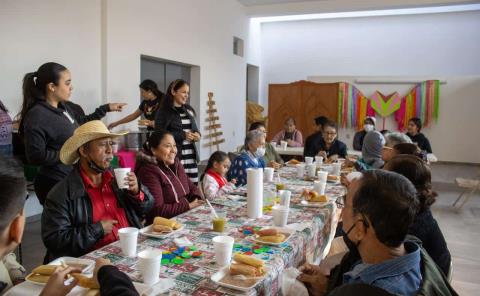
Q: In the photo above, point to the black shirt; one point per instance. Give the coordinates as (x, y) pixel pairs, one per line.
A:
(149, 108)
(315, 144)
(422, 142)
(426, 229)
(358, 140)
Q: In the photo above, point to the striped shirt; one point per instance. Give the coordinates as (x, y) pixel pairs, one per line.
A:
(188, 157)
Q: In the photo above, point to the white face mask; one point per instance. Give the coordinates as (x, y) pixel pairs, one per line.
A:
(368, 127)
(260, 152)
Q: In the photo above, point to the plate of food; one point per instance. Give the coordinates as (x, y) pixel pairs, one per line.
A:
(273, 236)
(292, 162)
(161, 228)
(333, 179)
(243, 274)
(41, 274)
(313, 199)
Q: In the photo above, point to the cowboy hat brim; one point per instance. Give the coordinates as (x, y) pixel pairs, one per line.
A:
(69, 152)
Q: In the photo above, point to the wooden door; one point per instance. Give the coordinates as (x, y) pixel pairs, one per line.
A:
(302, 100)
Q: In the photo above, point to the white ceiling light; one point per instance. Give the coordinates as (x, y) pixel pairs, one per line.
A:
(368, 13)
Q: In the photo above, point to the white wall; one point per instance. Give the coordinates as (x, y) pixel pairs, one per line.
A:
(434, 45)
(193, 32)
(35, 32)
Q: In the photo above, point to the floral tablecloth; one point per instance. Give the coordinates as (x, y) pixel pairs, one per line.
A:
(316, 229)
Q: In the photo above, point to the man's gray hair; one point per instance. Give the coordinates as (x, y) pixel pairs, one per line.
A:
(395, 138)
(252, 137)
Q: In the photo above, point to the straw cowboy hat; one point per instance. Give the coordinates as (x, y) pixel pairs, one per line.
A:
(87, 132)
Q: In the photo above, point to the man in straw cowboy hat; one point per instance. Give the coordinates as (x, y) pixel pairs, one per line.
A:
(84, 211)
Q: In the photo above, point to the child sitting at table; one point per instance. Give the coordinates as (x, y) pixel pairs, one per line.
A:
(214, 182)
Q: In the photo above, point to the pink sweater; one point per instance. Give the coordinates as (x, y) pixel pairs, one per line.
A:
(297, 140)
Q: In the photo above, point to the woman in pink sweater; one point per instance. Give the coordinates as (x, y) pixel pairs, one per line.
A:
(290, 134)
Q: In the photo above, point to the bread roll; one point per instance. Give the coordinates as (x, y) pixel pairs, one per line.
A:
(177, 225)
(93, 292)
(311, 195)
(44, 269)
(278, 238)
(319, 198)
(161, 228)
(164, 222)
(245, 259)
(38, 278)
(266, 232)
(86, 282)
(243, 269)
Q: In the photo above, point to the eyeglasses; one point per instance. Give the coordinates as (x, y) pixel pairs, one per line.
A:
(340, 202)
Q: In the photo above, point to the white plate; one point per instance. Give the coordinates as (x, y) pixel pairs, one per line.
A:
(287, 231)
(218, 276)
(312, 204)
(90, 264)
(147, 231)
(88, 269)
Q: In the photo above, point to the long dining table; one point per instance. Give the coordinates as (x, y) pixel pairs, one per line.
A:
(313, 229)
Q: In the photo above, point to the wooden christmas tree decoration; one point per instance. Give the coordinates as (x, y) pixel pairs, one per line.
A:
(213, 128)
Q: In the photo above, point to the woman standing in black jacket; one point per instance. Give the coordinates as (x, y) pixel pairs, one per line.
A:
(424, 227)
(178, 117)
(48, 119)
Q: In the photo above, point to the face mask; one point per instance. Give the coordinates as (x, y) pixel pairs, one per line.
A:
(368, 127)
(352, 247)
(94, 167)
(260, 152)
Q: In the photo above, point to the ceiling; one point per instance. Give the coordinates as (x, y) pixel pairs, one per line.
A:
(261, 8)
(266, 2)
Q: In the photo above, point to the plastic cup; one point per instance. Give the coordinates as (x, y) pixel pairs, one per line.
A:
(285, 197)
(308, 160)
(311, 170)
(268, 174)
(283, 145)
(319, 160)
(280, 215)
(319, 187)
(219, 221)
(300, 170)
(337, 167)
(223, 246)
(128, 240)
(115, 148)
(120, 175)
(149, 262)
(322, 176)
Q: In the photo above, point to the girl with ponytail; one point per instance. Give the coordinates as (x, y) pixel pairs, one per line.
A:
(213, 180)
(48, 119)
(152, 98)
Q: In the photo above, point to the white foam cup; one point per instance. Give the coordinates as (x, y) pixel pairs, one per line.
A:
(120, 175)
(223, 246)
(149, 262)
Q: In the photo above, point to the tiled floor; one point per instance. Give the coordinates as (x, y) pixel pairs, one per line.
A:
(461, 230)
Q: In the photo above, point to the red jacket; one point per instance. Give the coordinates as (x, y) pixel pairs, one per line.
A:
(171, 188)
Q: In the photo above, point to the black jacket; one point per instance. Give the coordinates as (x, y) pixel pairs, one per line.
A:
(422, 142)
(426, 229)
(169, 119)
(113, 282)
(434, 281)
(45, 130)
(67, 227)
(317, 144)
(358, 140)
